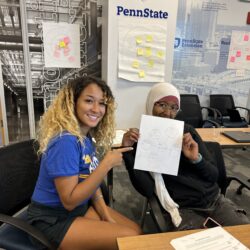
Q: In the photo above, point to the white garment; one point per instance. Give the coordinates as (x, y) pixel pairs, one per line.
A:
(157, 92)
(166, 201)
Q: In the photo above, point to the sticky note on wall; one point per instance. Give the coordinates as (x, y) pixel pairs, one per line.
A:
(238, 53)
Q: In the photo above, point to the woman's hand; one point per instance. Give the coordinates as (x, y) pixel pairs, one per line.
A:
(101, 208)
(107, 217)
(190, 147)
(130, 137)
(114, 157)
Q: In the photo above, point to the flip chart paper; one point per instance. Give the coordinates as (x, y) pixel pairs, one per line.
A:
(143, 41)
(61, 45)
(159, 145)
(239, 50)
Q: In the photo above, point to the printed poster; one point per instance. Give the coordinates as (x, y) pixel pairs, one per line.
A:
(61, 45)
(142, 49)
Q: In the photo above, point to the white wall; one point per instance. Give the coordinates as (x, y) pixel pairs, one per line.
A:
(131, 96)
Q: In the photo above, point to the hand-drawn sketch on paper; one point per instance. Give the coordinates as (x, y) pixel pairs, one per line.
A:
(239, 52)
(61, 45)
(142, 49)
(159, 148)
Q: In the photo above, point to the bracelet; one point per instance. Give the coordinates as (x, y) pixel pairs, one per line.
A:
(198, 160)
(98, 197)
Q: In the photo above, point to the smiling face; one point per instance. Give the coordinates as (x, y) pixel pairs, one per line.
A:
(90, 107)
(165, 109)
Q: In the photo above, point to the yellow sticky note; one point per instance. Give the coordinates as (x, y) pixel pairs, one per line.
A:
(149, 38)
(135, 64)
(62, 44)
(151, 63)
(138, 40)
(141, 74)
(140, 52)
(148, 51)
(160, 53)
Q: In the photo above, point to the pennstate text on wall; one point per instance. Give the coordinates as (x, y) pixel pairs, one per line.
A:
(148, 13)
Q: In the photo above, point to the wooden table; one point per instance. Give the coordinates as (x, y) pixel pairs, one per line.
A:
(207, 134)
(161, 241)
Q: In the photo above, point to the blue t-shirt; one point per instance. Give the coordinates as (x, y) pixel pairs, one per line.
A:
(65, 156)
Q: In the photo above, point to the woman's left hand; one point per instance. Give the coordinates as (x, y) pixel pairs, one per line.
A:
(190, 147)
(107, 217)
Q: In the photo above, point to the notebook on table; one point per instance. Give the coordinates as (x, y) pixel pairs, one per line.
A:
(238, 136)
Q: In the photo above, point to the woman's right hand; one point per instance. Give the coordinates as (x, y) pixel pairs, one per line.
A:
(130, 137)
(114, 157)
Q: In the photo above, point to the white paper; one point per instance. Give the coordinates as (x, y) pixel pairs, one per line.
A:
(239, 55)
(159, 145)
(209, 239)
(61, 45)
(118, 137)
(142, 49)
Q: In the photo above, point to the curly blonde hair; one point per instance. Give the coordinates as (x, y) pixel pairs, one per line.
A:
(61, 116)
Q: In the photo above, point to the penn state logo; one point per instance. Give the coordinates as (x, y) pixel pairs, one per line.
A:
(177, 42)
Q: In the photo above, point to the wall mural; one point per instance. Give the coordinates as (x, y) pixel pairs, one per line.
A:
(202, 45)
(71, 40)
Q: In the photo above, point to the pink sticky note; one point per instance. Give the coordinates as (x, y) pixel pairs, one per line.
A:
(246, 38)
(71, 58)
(238, 53)
(248, 57)
(56, 54)
(66, 39)
(232, 59)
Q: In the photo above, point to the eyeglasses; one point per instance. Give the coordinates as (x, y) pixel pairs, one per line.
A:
(165, 106)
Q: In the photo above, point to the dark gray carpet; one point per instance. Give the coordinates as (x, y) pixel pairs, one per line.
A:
(129, 202)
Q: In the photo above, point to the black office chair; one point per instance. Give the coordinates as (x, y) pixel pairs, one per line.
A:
(19, 168)
(191, 112)
(152, 205)
(223, 104)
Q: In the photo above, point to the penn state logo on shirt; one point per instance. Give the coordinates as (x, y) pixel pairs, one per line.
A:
(93, 164)
(91, 161)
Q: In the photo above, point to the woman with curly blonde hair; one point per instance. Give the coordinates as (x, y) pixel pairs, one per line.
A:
(67, 203)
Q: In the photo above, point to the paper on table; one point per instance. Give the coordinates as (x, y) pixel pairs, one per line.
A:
(209, 239)
(159, 145)
(118, 137)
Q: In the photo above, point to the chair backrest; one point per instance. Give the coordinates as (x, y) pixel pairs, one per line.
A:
(19, 168)
(190, 110)
(215, 150)
(222, 103)
(189, 98)
(191, 114)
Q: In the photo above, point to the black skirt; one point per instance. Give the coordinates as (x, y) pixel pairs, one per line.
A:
(54, 222)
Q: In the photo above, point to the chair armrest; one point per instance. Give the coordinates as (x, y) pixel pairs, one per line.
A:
(29, 229)
(214, 123)
(248, 112)
(212, 111)
(157, 214)
(239, 107)
(219, 115)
